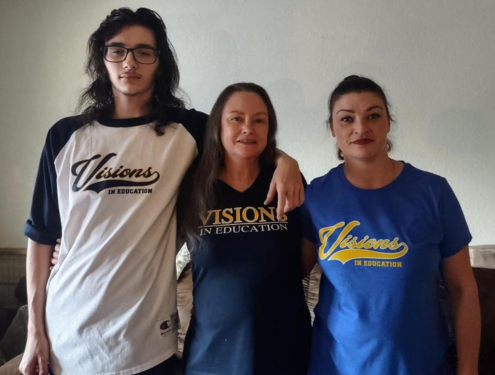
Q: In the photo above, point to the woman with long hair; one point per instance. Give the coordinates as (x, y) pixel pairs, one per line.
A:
(386, 233)
(249, 315)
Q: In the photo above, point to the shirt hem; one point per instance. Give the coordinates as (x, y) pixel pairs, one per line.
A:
(131, 371)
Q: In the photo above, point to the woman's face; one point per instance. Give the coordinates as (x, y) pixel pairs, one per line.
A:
(361, 125)
(244, 126)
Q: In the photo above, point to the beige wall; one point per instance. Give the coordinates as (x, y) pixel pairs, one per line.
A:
(435, 59)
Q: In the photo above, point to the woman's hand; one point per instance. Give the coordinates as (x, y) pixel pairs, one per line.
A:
(36, 354)
(55, 254)
(287, 183)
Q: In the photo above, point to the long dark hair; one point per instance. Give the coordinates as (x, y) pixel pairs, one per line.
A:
(352, 84)
(97, 100)
(198, 189)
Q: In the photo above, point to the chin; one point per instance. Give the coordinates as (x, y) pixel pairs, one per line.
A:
(249, 156)
(132, 92)
(361, 156)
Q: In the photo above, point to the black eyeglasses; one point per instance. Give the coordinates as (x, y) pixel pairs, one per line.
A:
(143, 55)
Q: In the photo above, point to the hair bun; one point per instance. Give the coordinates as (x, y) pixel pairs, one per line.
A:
(351, 77)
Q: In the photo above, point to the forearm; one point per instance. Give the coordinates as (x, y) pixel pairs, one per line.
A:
(282, 156)
(467, 324)
(287, 182)
(37, 273)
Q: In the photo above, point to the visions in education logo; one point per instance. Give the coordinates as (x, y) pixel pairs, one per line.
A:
(242, 220)
(343, 246)
(95, 174)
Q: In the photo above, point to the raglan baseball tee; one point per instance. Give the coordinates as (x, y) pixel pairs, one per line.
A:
(109, 189)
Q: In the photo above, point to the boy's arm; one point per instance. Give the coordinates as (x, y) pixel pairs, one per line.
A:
(36, 354)
(287, 183)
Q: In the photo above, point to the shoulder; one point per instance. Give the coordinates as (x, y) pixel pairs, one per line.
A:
(324, 181)
(67, 125)
(60, 133)
(190, 118)
(417, 177)
(193, 121)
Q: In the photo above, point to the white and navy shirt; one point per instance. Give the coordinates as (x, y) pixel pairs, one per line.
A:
(109, 190)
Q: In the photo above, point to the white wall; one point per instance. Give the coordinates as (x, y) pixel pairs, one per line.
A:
(436, 60)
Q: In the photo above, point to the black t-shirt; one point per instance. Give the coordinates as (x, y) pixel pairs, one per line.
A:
(250, 315)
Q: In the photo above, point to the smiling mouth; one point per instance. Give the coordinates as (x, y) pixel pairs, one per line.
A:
(362, 141)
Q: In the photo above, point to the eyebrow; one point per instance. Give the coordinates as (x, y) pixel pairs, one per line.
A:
(119, 44)
(373, 107)
(369, 109)
(344, 110)
(259, 113)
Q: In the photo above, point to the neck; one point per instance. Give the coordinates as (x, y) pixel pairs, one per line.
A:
(239, 174)
(373, 174)
(127, 106)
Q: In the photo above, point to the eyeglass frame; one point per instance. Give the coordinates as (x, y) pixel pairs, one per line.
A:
(127, 50)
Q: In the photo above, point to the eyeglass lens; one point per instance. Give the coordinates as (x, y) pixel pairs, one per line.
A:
(141, 55)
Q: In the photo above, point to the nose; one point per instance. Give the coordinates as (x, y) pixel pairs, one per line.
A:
(360, 126)
(247, 126)
(130, 62)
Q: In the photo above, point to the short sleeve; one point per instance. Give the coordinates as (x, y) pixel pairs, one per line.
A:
(456, 233)
(195, 123)
(308, 227)
(43, 225)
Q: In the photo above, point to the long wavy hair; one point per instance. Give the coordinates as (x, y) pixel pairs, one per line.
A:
(97, 102)
(357, 84)
(198, 189)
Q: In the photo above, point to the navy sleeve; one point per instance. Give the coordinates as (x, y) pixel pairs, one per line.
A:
(44, 224)
(195, 123)
(456, 233)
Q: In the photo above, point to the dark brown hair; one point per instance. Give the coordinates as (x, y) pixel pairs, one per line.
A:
(97, 100)
(352, 84)
(198, 189)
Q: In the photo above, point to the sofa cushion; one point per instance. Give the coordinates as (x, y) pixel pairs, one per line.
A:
(12, 367)
(483, 262)
(184, 306)
(311, 285)
(14, 340)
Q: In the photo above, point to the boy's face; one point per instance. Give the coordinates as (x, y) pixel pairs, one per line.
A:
(129, 77)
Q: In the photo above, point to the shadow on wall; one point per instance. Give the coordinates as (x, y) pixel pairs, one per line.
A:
(474, 147)
(302, 131)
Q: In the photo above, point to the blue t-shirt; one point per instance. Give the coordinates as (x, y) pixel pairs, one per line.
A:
(381, 252)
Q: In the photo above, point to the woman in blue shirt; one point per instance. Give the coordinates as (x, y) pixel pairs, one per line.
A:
(386, 234)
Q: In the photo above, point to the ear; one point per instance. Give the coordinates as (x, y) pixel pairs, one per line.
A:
(331, 129)
(388, 126)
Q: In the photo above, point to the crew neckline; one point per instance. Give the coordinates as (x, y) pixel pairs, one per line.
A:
(397, 180)
(127, 122)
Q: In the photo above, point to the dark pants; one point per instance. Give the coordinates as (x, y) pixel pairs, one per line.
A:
(164, 368)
